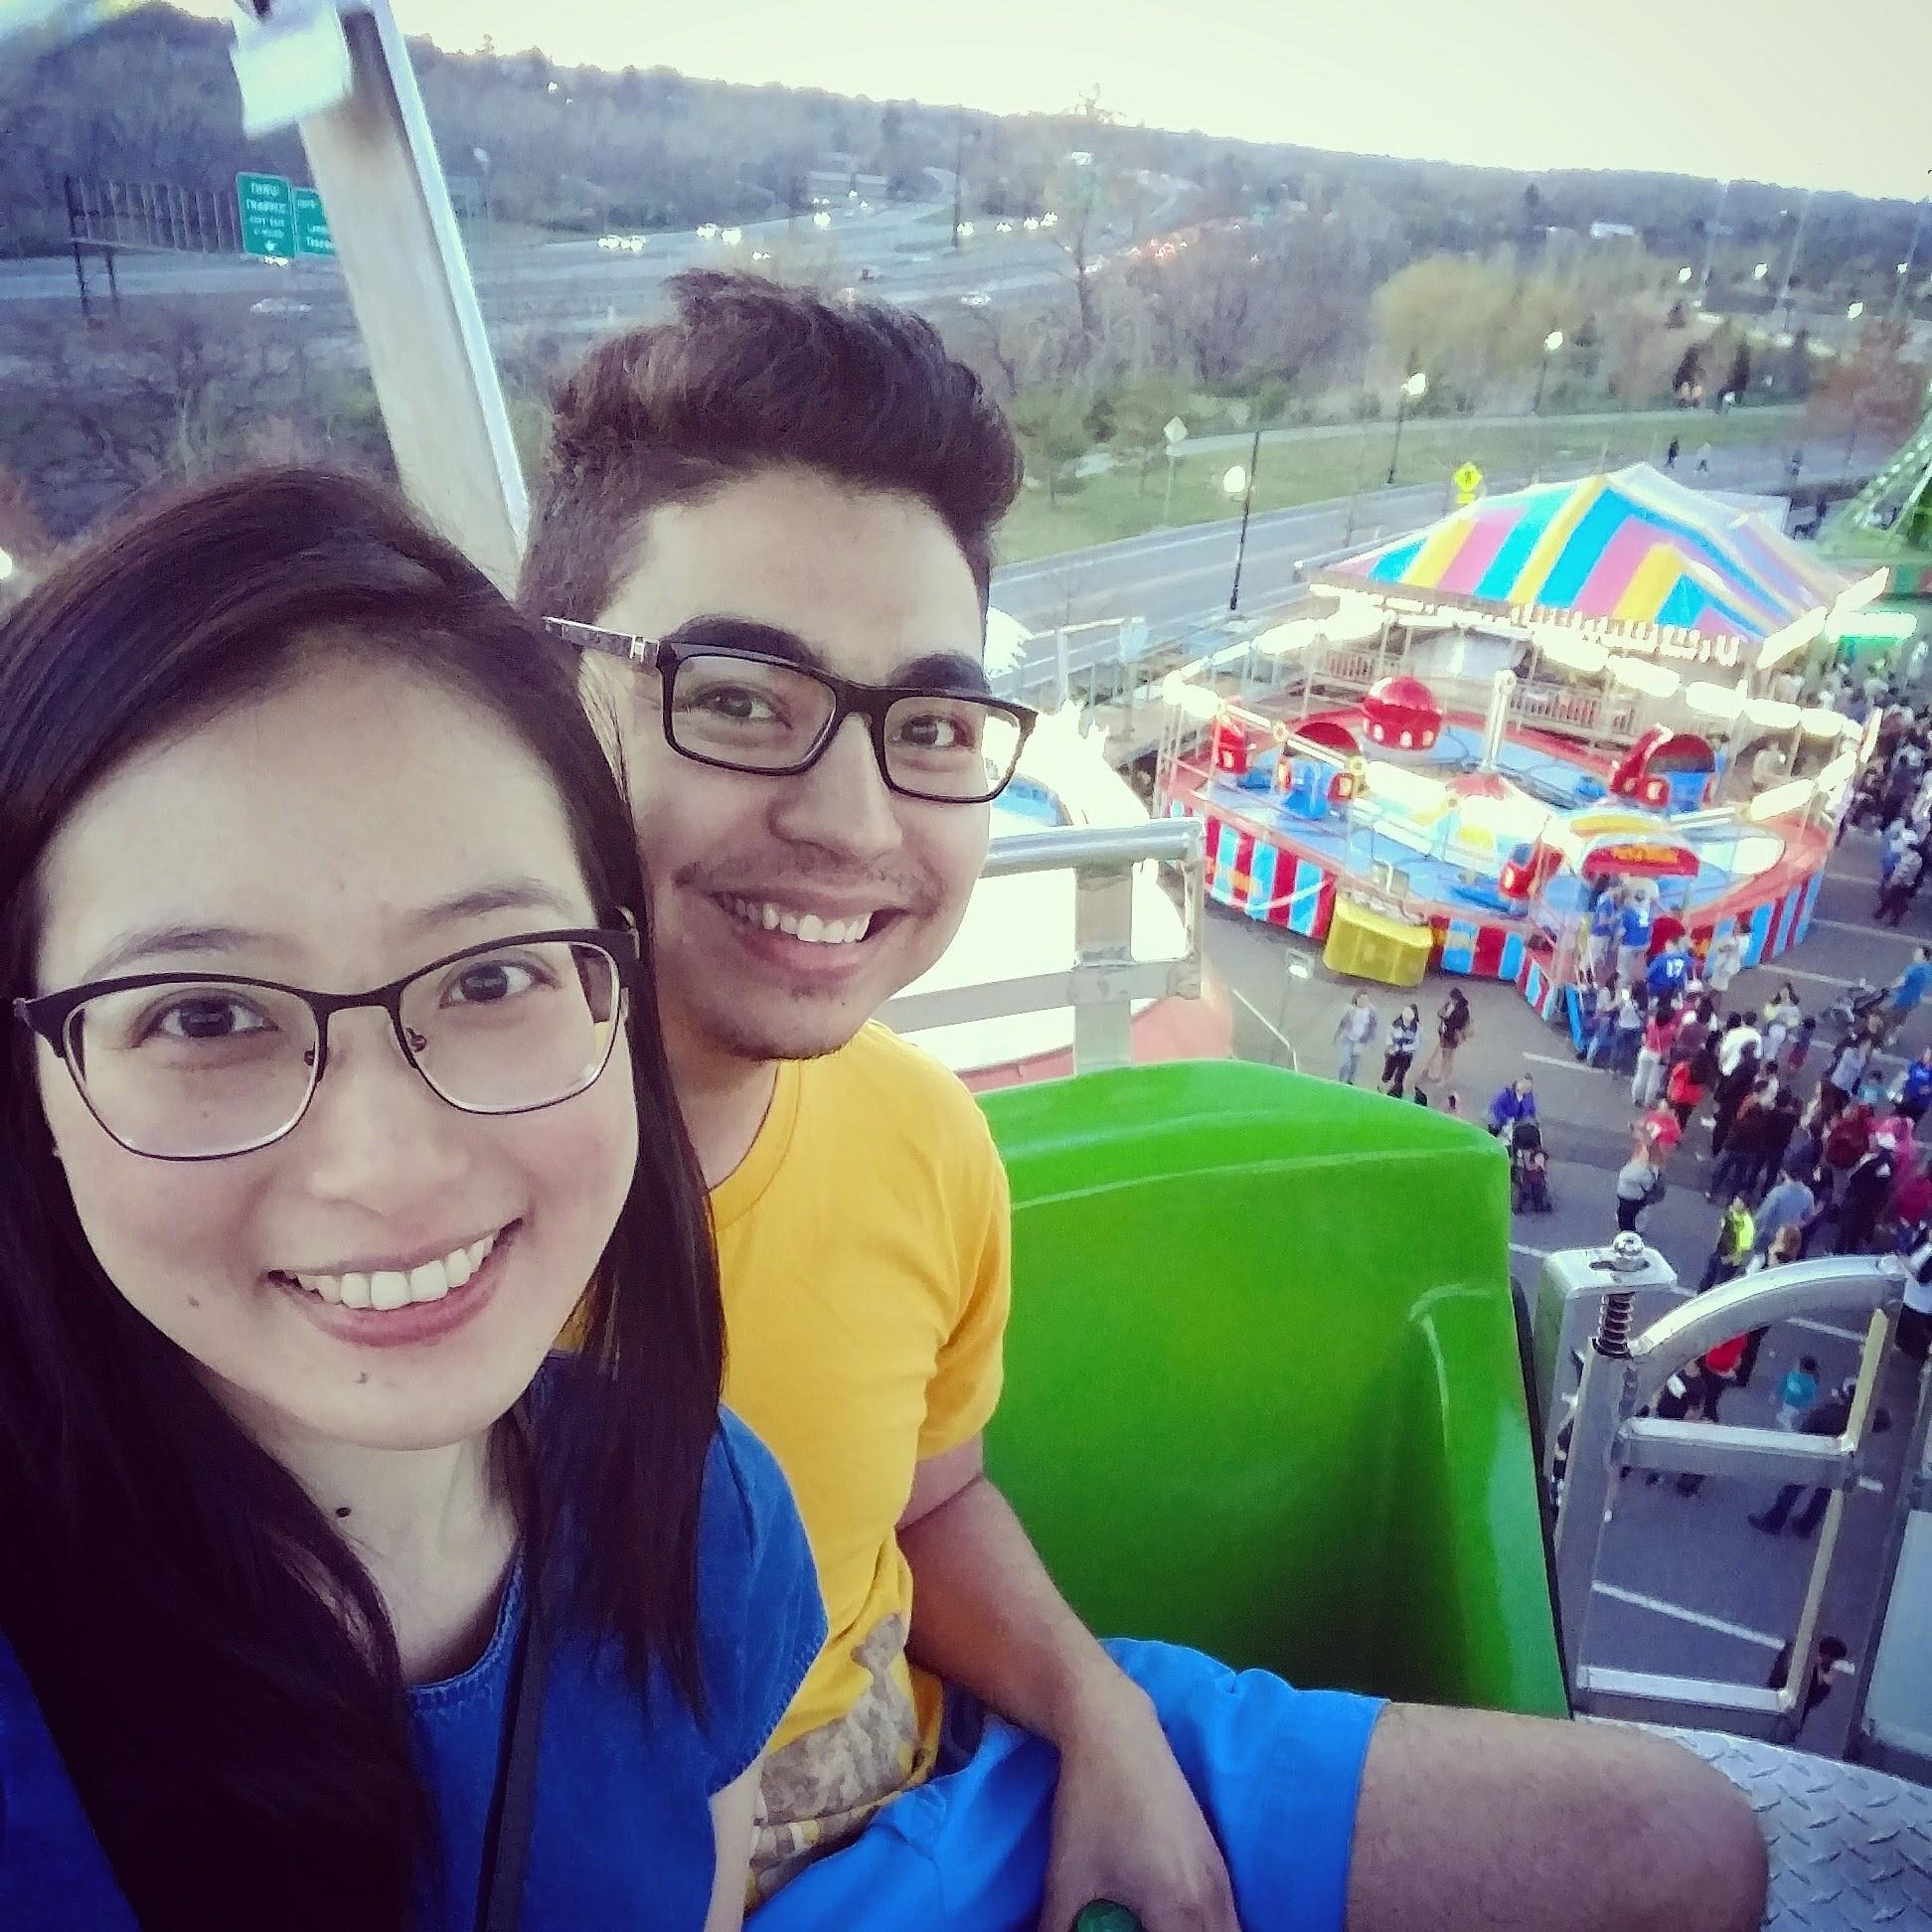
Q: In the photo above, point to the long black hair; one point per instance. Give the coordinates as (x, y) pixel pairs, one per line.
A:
(214, 1663)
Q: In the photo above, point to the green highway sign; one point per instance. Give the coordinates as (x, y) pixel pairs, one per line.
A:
(312, 236)
(268, 206)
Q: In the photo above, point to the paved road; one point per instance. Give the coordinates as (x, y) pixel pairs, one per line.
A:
(1170, 576)
(1687, 1584)
(576, 284)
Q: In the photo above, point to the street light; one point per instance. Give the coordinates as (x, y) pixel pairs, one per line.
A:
(1713, 228)
(1239, 482)
(1760, 271)
(822, 219)
(1552, 342)
(1684, 275)
(1854, 311)
(1791, 260)
(1411, 391)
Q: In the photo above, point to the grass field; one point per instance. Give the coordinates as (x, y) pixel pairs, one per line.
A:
(1317, 465)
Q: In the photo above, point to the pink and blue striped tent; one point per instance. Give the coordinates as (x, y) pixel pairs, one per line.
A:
(1635, 546)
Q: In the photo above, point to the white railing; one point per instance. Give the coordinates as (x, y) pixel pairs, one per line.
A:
(1623, 1374)
(1106, 979)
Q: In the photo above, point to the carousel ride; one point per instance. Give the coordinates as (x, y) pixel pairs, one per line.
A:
(1575, 684)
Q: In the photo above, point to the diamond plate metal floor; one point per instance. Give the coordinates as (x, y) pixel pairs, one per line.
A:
(1850, 1848)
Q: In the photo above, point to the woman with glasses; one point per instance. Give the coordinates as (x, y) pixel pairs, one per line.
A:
(328, 1596)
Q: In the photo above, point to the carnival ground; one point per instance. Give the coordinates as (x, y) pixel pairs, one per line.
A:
(1687, 1585)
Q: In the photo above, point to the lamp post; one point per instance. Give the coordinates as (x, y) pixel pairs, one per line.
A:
(1911, 256)
(1413, 390)
(959, 175)
(1710, 242)
(1552, 342)
(1791, 260)
(1241, 483)
(1852, 314)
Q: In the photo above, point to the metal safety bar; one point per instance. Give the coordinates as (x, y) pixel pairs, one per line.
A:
(1106, 979)
(1623, 1374)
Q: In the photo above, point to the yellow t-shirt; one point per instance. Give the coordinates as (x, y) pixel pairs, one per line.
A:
(864, 1245)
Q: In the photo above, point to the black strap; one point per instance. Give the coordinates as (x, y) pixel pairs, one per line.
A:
(506, 1836)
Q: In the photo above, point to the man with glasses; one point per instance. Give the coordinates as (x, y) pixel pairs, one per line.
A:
(768, 523)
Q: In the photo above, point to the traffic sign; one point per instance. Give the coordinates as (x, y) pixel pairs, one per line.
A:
(1468, 480)
(268, 206)
(312, 236)
(1175, 431)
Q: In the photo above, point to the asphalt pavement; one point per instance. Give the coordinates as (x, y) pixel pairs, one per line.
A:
(1688, 1584)
(1170, 577)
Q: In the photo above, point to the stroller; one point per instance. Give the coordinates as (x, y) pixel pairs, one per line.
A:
(1529, 1171)
(1855, 1005)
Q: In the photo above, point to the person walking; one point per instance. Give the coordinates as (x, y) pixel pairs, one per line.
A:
(1694, 1027)
(1828, 1655)
(1901, 888)
(1829, 1417)
(1605, 911)
(1600, 1048)
(1403, 1032)
(1640, 1184)
(1627, 1042)
(1741, 1036)
(1704, 1383)
(1798, 1048)
(1704, 459)
(1352, 1032)
(1723, 960)
(1782, 1013)
(1729, 1098)
(1784, 1210)
(1670, 972)
(1516, 1102)
(1659, 1032)
(1732, 1246)
(1633, 936)
(1454, 1026)
(1915, 1318)
(1908, 990)
(1797, 1391)
(1868, 1187)
(1690, 1083)
(1671, 455)
(1913, 1092)
(1839, 1087)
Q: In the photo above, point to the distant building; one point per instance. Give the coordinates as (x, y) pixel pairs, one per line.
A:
(836, 182)
(1612, 231)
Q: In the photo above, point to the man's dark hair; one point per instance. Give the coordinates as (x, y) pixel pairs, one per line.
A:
(753, 376)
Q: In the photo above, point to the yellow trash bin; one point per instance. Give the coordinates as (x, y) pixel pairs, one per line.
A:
(1369, 946)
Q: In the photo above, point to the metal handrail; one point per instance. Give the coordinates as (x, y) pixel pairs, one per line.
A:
(1623, 1374)
(1106, 979)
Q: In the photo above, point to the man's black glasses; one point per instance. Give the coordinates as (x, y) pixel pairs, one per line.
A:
(748, 710)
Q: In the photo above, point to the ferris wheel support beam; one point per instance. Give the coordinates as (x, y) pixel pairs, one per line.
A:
(341, 75)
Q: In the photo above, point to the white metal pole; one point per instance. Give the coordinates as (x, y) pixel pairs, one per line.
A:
(375, 161)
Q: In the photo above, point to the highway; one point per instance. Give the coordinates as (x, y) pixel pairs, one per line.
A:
(576, 284)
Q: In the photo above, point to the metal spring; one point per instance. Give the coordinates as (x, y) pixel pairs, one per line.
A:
(1613, 1324)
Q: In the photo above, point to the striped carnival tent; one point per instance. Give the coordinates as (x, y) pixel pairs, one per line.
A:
(1633, 556)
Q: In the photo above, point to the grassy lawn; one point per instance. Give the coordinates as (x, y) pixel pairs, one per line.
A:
(1101, 509)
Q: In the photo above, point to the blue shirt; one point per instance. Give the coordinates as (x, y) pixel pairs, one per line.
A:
(1669, 972)
(621, 1833)
(1787, 1205)
(1912, 985)
(1635, 925)
(1917, 1084)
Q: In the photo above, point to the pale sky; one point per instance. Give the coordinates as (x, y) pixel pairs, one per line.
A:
(1820, 93)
